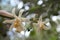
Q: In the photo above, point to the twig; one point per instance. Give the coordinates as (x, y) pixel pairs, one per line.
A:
(5, 13)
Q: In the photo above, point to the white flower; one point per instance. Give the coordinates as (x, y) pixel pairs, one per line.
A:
(48, 25)
(31, 16)
(20, 5)
(14, 2)
(23, 34)
(27, 33)
(10, 33)
(13, 29)
(58, 28)
(54, 18)
(24, 23)
(26, 7)
(40, 2)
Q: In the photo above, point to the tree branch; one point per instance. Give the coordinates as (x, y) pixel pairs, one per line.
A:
(5, 13)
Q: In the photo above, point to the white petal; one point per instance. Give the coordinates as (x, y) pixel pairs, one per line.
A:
(19, 35)
(58, 29)
(48, 24)
(40, 2)
(12, 2)
(27, 33)
(10, 33)
(22, 32)
(31, 16)
(26, 7)
(14, 29)
(23, 23)
(54, 18)
(20, 5)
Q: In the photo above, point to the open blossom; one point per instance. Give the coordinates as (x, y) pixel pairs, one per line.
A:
(17, 21)
(42, 25)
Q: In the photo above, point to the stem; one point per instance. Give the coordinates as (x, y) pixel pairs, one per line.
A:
(5, 13)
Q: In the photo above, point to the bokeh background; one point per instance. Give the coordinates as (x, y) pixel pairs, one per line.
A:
(49, 9)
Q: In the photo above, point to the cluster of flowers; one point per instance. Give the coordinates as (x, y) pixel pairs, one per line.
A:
(18, 28)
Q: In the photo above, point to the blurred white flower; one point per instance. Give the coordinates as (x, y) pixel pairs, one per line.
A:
(10, 33)
(58, 28)
(27, 33)
(20, 5)
(23, 34)
(26, 7)
(48, 24)
(14, 29)
(23, 23)
(14, 2)
(31, 16)
(54, 18)
(40, 2)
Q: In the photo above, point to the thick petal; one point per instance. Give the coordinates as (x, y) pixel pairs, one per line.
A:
(25, 19)
(8, 21)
